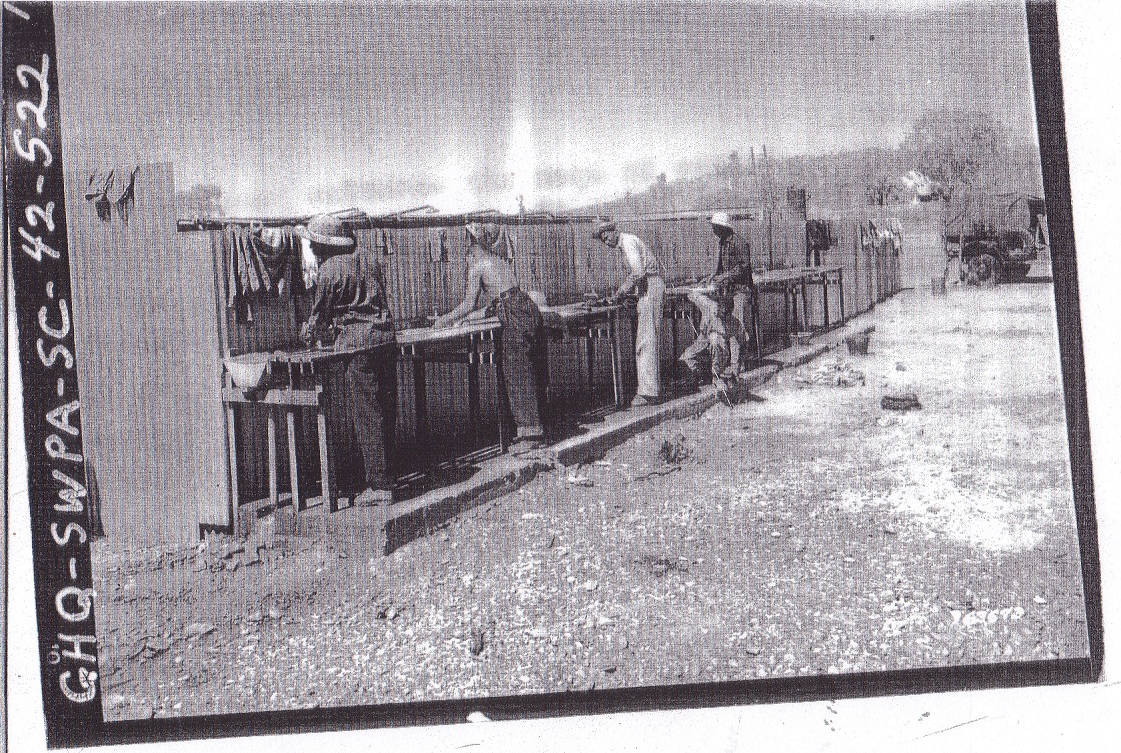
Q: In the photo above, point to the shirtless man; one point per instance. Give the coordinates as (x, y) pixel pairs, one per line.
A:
(491, 285)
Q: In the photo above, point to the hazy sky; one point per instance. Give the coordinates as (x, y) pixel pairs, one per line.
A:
(467, 105)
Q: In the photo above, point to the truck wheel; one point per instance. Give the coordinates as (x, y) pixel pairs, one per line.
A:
(978, 270)
(1018, 272)
(989, 270)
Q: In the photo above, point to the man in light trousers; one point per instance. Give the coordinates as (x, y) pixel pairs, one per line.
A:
(645, 281)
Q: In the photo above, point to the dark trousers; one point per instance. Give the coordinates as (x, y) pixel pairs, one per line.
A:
(524, 361)
(372, 382)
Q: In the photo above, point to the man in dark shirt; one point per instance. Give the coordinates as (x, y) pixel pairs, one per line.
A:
(350, 307)
(733, 279)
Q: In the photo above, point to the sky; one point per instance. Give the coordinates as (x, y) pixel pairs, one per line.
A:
(294, 108)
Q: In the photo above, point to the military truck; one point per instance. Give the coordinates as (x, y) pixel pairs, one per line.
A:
(995, 238)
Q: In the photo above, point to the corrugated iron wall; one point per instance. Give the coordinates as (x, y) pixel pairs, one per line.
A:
(425, 271)
(148, 366)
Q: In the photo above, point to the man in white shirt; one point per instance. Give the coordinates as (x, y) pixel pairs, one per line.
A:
(645, 281)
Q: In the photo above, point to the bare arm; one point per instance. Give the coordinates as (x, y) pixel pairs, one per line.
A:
(627, 286)
(470, 300)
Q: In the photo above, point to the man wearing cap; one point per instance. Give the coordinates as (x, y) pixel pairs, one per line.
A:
(645, 281)
(350, 307)
(491, 285)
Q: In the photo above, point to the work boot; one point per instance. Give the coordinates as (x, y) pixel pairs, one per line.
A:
(374, 498)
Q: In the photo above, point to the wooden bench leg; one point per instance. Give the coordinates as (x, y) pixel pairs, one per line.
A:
(787, 304)
(326, 465)
(420, 395)
(805, 307)
(231, 437)
(473, 400)
(825, 300)
(274, 495)
(500, 380)
(591, 351)
(293, 470)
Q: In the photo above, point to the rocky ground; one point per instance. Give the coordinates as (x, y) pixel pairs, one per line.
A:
(806, 531)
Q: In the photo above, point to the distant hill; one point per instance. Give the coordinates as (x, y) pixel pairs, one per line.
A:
(840, 181)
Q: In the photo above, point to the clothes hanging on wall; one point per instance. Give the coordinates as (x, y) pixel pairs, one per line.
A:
(819, 234)
(112, 192)
(261, 261)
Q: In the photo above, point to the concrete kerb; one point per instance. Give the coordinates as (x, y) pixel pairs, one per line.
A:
(417, 517)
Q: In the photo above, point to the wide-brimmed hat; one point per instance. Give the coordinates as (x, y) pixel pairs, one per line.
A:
(329, 231)
(722, 219)
(607, 226)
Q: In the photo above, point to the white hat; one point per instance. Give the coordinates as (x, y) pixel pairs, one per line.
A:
(722, 219)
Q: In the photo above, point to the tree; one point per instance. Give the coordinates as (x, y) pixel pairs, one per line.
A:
(882, 190)
(959, 149)
(200, 200)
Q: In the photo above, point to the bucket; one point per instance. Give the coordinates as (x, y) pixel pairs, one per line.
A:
(858, 344)
(938, 286)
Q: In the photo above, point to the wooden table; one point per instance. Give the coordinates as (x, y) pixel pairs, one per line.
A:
(298, 379)
(477, 342)
(293, 380)
(593, 323)
(472, 344)
(792, 283)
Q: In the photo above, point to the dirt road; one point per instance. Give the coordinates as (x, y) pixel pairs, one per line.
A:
(805, 531)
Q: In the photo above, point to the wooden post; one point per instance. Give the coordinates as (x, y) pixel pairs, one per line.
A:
(825, 299)
(231, 439)
(274, 495)
(473, 358)
(420, 397)
(616, 357)
(218, 279)
(326, 463)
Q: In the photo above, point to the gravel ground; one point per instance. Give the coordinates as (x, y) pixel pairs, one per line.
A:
(805, 531)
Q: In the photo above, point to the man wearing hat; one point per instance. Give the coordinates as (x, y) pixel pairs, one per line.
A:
(733, 280)
(350, 307)
(645, 281)
(491, 284)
